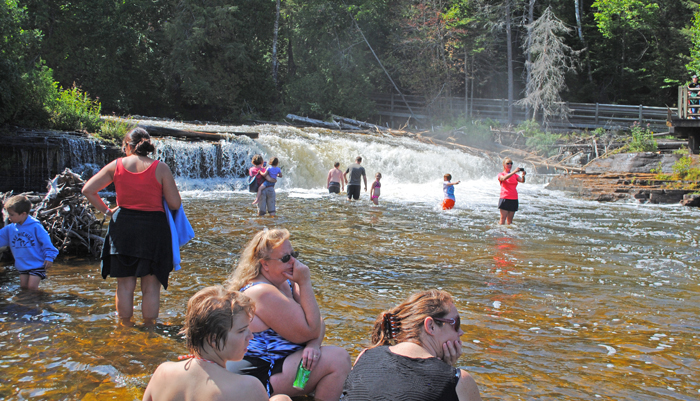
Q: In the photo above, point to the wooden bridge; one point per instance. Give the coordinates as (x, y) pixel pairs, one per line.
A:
(392, 110)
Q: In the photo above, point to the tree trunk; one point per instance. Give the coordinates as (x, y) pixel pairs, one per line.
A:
(275, 63)
(579, 28)
(530, 20)
(509, 39)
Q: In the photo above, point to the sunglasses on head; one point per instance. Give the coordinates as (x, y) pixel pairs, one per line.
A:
(285, 258)
(455, 323)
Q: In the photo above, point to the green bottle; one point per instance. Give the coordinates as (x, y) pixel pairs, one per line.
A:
(302, 376)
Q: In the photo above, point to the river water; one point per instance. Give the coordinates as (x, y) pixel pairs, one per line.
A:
(577, 300)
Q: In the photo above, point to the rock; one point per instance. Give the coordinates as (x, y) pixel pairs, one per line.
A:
(666, 195)
(633, 163)
(691, 200)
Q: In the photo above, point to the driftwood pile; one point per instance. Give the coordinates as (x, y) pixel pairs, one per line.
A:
(67, 215)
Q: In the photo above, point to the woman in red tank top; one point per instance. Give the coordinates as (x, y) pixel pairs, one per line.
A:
(138, 242)
(508, 203)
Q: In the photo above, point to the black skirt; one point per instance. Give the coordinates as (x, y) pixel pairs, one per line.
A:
(137, 244)
(510, 205)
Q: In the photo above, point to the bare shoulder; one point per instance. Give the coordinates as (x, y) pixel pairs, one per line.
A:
(242, 388)
(467, 390)
(163, 168)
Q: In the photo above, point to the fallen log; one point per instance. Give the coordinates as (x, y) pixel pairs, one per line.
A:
(313, 122)
(358, 123)
(154, 130)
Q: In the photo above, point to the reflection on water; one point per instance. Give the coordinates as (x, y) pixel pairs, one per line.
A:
(577, 300)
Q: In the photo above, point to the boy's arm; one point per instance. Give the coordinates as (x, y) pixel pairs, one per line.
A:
(50, 252)
(4, 236)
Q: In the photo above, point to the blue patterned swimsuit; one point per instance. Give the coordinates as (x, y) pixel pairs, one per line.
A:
(269, 346)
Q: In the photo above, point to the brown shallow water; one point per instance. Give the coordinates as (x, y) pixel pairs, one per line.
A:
(578, 300)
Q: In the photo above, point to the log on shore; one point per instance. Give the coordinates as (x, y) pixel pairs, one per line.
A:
(358, 123)
(313, 122)
(209, 136)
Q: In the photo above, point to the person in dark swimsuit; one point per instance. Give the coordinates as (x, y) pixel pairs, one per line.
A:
(413, 344)
(287, 327)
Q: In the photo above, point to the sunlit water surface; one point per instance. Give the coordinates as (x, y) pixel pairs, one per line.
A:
(577, 300)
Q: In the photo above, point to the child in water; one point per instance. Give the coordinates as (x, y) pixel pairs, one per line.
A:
(374, 191)
(448, 190)
(270, 175)
(29, 242)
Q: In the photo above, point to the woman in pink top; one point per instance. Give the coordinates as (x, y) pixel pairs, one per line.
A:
(138, 241)
(508, 204)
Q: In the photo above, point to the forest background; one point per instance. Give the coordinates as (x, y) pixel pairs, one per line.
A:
(239, 60)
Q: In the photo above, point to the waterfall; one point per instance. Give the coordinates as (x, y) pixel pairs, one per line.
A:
(307, 154)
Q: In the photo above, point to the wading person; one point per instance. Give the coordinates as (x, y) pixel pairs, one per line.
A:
(336, 181)
(217, 330)
(414, 344)
(138, 241)
(267, 198)
(356, 171)
(508, 203)
(288, 328)
(29, 243)
(448, 191)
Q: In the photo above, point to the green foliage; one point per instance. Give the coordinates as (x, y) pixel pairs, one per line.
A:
(613, 16)
(470, 132)
(642, 139)
(681, 151)
(693, 66)
(72, 109)
(537, 139)
(113, 130)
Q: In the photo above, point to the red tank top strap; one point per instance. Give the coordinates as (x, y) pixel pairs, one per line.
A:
(138, 191)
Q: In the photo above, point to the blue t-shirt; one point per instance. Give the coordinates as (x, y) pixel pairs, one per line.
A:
(448, 190)
(272, 172)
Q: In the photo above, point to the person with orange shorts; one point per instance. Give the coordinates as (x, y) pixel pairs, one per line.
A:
(449, 190)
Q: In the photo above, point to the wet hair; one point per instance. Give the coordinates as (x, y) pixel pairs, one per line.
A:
(274, 161)
(447, 177)
(405, 322)
(210, 316)
(336, 164)
(18, 204)
(140, 140)
(257, 160)
(257, 249)
(358, 159)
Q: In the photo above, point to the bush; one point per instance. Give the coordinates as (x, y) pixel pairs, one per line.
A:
(472, 133)
(642, 139)
(114, 130)
(537, 139)
(72, 109)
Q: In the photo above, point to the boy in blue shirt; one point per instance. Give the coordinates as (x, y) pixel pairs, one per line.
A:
(29, 242)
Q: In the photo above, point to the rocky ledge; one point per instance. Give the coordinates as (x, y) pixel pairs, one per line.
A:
(628, 176)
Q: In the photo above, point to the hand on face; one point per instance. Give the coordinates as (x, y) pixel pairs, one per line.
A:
(451, 351)
(300, 272)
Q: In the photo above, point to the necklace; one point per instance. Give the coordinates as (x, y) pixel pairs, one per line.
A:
(190, 356)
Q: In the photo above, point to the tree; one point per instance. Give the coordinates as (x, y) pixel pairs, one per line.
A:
(552, 59)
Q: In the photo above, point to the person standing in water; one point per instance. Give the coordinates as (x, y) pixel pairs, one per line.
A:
(376, 189)
(336, 181)
(356, 171)
(508, 203)
(448, 190)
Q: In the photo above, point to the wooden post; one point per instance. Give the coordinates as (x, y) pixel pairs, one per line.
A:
(596, 113)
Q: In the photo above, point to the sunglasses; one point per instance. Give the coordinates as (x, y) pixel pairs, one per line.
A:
(285, 258)
(509, 163)
(455, 323)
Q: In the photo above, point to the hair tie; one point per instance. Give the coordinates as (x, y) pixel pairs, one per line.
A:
(392, 326)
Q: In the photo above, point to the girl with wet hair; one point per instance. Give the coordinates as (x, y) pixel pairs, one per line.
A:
(216, 330)
(414, 343)
(288, 328)
(138, 243)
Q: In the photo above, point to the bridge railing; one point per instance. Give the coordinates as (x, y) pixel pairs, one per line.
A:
(393, 109)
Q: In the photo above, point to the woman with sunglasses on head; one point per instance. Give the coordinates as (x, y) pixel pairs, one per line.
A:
(508, 203)
(413, 344)
(138, 241)
(287, 328)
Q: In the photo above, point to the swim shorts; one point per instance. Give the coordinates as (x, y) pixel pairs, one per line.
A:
(334, 187)
(40, 272)
(258, 368)
(354, 192)
(448, 204)
(510, 205)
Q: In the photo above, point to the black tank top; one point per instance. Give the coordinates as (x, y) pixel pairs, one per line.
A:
(380, 374)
